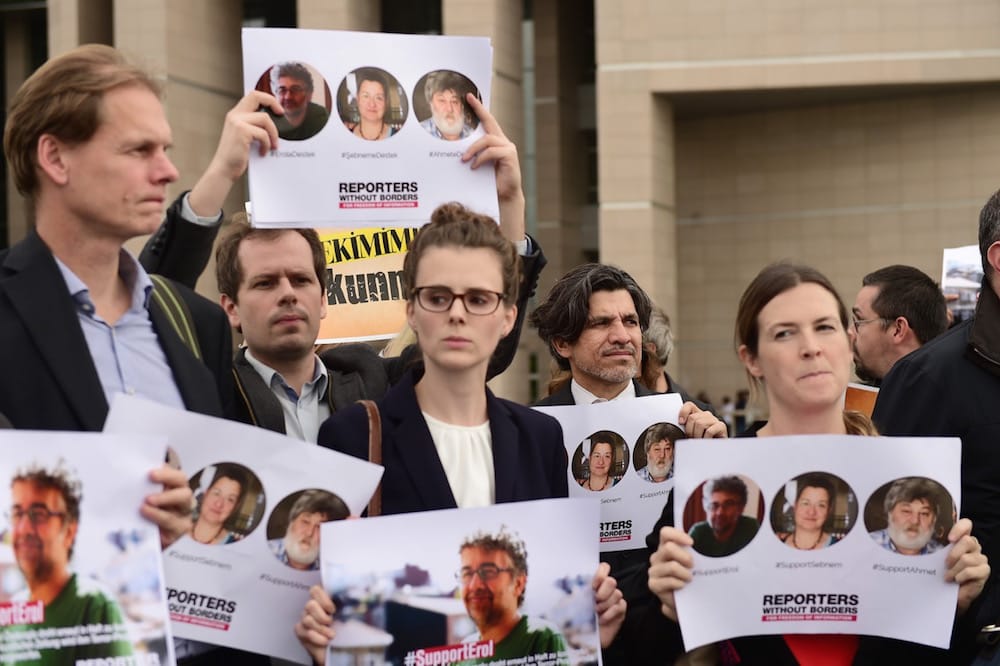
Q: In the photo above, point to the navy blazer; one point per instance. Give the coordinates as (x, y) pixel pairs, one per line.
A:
(529, 458)
(49, 380)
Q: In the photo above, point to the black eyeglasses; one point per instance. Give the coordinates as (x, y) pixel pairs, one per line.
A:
(858, 323)
(476, 301)
(486, 573)
(295, 90)
(37, 515)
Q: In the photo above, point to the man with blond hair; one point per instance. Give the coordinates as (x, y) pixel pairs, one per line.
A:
(86, 140)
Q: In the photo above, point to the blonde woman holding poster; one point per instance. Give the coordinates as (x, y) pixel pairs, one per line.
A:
(793, 339)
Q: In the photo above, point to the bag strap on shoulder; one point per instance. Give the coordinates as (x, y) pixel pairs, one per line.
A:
(374, 451)
(170, 301)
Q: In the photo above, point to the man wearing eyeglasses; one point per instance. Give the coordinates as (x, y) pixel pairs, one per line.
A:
(726, 530)
(44, 518)
(898, 309)
(303, 118)
(493, 578)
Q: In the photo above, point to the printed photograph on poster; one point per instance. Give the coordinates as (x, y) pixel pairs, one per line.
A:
(374, 126)
(507, 584)
(622, 453)
(81, 572)
(961, 280)
(253, 550)
(820, 534)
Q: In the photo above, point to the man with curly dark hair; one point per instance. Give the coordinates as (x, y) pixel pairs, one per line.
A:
(493, 579)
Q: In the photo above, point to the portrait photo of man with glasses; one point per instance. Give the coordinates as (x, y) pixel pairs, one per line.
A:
(44, 517)
(492, 581)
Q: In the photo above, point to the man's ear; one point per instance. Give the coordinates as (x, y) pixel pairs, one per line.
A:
(51, 156)
(993, 257)
(749, 361)
(232, 310)
(70, 537)
(520, 582)
(562, 347)
(900, 330)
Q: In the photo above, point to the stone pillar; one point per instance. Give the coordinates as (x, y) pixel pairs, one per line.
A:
(17, 63)
(195, 46)
(75, 22)
(501, 22)
(340, 15)
(637, 191)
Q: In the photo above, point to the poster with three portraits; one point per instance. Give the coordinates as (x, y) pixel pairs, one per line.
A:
(241, 577)
(792, 535)
(373, 129)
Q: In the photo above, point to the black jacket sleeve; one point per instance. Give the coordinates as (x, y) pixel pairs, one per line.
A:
(179, 249)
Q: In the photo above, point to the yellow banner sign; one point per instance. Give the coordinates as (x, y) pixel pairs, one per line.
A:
(364, 291)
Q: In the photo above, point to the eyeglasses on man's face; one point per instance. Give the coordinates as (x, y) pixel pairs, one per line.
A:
(486, 573)
(36, 514)
(440, 299)
(858, 323)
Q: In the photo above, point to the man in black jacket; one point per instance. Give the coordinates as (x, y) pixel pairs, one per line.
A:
(593, 320)
(951, 387)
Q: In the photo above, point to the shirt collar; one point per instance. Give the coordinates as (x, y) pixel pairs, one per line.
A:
(582, 396)
(271, 376)
(129, 270)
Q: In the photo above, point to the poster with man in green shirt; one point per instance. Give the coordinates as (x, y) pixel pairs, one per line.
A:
(55, 614)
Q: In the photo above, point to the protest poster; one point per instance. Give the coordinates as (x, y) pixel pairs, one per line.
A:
(241, 578)
(506, 584)
(364, 291)
(961, 279)
(81, 575)
(609, 459)
(364, 141)
(838, 534)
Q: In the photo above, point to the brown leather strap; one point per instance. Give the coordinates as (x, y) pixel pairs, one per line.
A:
(374, 451)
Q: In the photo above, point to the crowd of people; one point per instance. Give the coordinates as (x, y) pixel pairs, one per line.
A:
(86, 140)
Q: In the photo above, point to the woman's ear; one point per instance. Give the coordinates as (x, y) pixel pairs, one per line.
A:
(510, 316)
(749, 361)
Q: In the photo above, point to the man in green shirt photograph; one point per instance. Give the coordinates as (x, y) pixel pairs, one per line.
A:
(44, 519)
(493, 578)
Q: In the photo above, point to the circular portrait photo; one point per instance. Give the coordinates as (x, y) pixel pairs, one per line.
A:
(813, 511)
(229, 503)
(653, 455)
(371, 103)
(440, 107)
(600, 461)
(910, 516)
(303, 94)
(293, 528)
(723, 514)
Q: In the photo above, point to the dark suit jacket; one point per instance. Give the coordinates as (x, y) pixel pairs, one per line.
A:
(529, 458)
(630, 569)
(49, 381)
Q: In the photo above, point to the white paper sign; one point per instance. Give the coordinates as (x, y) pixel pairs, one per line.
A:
(113, 602)
(631, 497)
(333, 175)
(853, 578)
(241, 589)
(401, 596)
